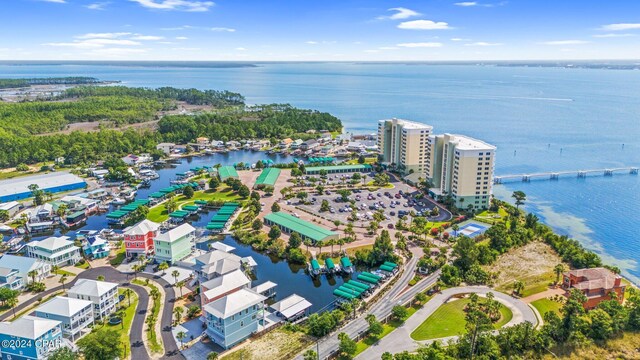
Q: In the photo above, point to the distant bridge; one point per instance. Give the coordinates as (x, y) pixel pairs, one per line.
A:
(551, 175)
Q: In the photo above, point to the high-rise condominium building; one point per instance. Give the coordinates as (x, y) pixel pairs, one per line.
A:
(462, 167)
(404, 144)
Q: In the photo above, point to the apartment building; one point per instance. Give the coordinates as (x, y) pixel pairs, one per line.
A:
(404, 144)
(462, 167)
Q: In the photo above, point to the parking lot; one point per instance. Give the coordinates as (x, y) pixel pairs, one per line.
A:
(394, 203)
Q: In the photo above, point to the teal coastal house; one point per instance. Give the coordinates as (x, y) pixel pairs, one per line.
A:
(175, 244)
(30, 337)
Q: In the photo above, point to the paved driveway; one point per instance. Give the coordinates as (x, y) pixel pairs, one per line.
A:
(400, 339)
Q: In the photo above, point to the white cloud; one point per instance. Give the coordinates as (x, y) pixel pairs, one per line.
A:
(400, 13)
(222, 29)
(564, 42)
(421, 45)
(181, 38)
(97, 6)
(613, 35)
(466, 3)
(311, 42)
(620, 27)
(423, 25)
(477, 4)
(55, 1)
(178, 5)
(482, 43)
(387, 48)
(147, 37)
(186, 49)
(241, 49)
(103, 35)
(183, 27)
(117, 51)
(460, 39)
(94, 43)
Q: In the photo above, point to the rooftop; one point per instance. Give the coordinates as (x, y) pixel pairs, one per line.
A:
(468, 143)
(28, 327)
(339, 167)
(176, 233)
(303, 227)
(227, 171)
(44, 181)
(63, 306)
(92, 287)
(595, 278)
(233, 303)
(225, 283)
(142, 228)
(268, 176)
(408, 124)
(52, 243)
(20, 263)
(218, 245)
(291, 305)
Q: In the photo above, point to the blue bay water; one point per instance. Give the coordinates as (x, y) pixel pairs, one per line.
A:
(541, 119)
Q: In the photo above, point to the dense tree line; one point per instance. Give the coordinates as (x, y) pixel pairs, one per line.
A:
(70, 80)
(191, 96)
(266, 123)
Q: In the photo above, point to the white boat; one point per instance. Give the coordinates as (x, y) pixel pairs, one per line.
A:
(119, 201)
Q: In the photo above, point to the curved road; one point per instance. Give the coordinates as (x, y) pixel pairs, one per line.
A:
(137, 348)
(400, 339)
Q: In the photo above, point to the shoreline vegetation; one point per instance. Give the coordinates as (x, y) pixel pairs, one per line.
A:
(27, 129)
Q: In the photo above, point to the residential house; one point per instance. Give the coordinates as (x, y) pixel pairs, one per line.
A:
(11, 207)
(355, 146)
(285, 143)
(166, 148)
(217, 144)
(41, 213)
(597, 284)
(95, 247)
(79, 203)
(24, 266)
(175, 244)
(202, 141)
(233, 144)
(309, 144)
(30, 337)
(215, 263)
(75, 315)
(218, 287)
(103, 295)
(296, 144)
(138, 239)
(58, 251)
(233, 318)
(10, 279)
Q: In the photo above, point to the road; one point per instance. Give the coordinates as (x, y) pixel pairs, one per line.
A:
(381, 309)
(400, 339)
(137, 348)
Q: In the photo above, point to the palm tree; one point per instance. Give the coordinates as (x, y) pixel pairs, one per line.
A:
(137, 269)
(163, 267)
(177, 313)
(180, 284)
(62, 280)
(100, 278)
(455, 228)
(558, 269)
(341, 242)
(307, 243)
(128, 293)
(32, 274)
(12, 303)
(518, 287)
(181, 335)
(154, 293)
(175, 274)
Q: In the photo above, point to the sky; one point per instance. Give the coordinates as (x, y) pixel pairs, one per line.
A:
(322, 30)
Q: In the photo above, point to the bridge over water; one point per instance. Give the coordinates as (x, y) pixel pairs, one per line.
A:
(555, 175)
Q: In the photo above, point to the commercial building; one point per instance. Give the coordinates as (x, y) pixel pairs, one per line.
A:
(20, 266)
(596, 284)
(175, 244)
(268, 176)
(30, 337)
(289, 224)
(103, 295)
(226, 172)
(56, 251)
(138, 239)
(11, 207)
(462, 167)
(402, 144)
(233, 318)
(338, 169)
(18, 188)
(75, 315)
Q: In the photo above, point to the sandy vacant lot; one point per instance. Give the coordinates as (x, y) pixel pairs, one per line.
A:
(526, 263)
(277, 344)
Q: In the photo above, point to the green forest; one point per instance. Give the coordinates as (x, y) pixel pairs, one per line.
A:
(71, 80)
(23, 124)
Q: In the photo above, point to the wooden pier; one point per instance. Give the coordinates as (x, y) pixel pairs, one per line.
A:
(555, 175)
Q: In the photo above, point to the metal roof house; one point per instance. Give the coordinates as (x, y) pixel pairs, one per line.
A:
(39, 336)
(24, 265)
(104, 295)
(75, 315)
(18, 188)
(307, 230)
(223, 285)
(58, 251)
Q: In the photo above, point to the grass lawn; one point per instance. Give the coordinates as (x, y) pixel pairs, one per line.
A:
(224, 193)
(84, 265)
(546, 305)
(123, 328)
(532, 284)
(29, 309)
(492, 216)
(155, 344)
(120, 254)
(449, 320)
(350, 252)
(64, 272)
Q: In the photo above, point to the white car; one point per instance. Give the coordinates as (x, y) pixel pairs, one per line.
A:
(296, 215)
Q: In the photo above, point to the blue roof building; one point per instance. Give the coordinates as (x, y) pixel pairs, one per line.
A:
(30, 337)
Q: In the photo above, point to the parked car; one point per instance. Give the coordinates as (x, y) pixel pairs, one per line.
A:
(393, 213)
(390, 226)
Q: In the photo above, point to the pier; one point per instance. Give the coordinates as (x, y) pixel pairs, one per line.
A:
(555, 175)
